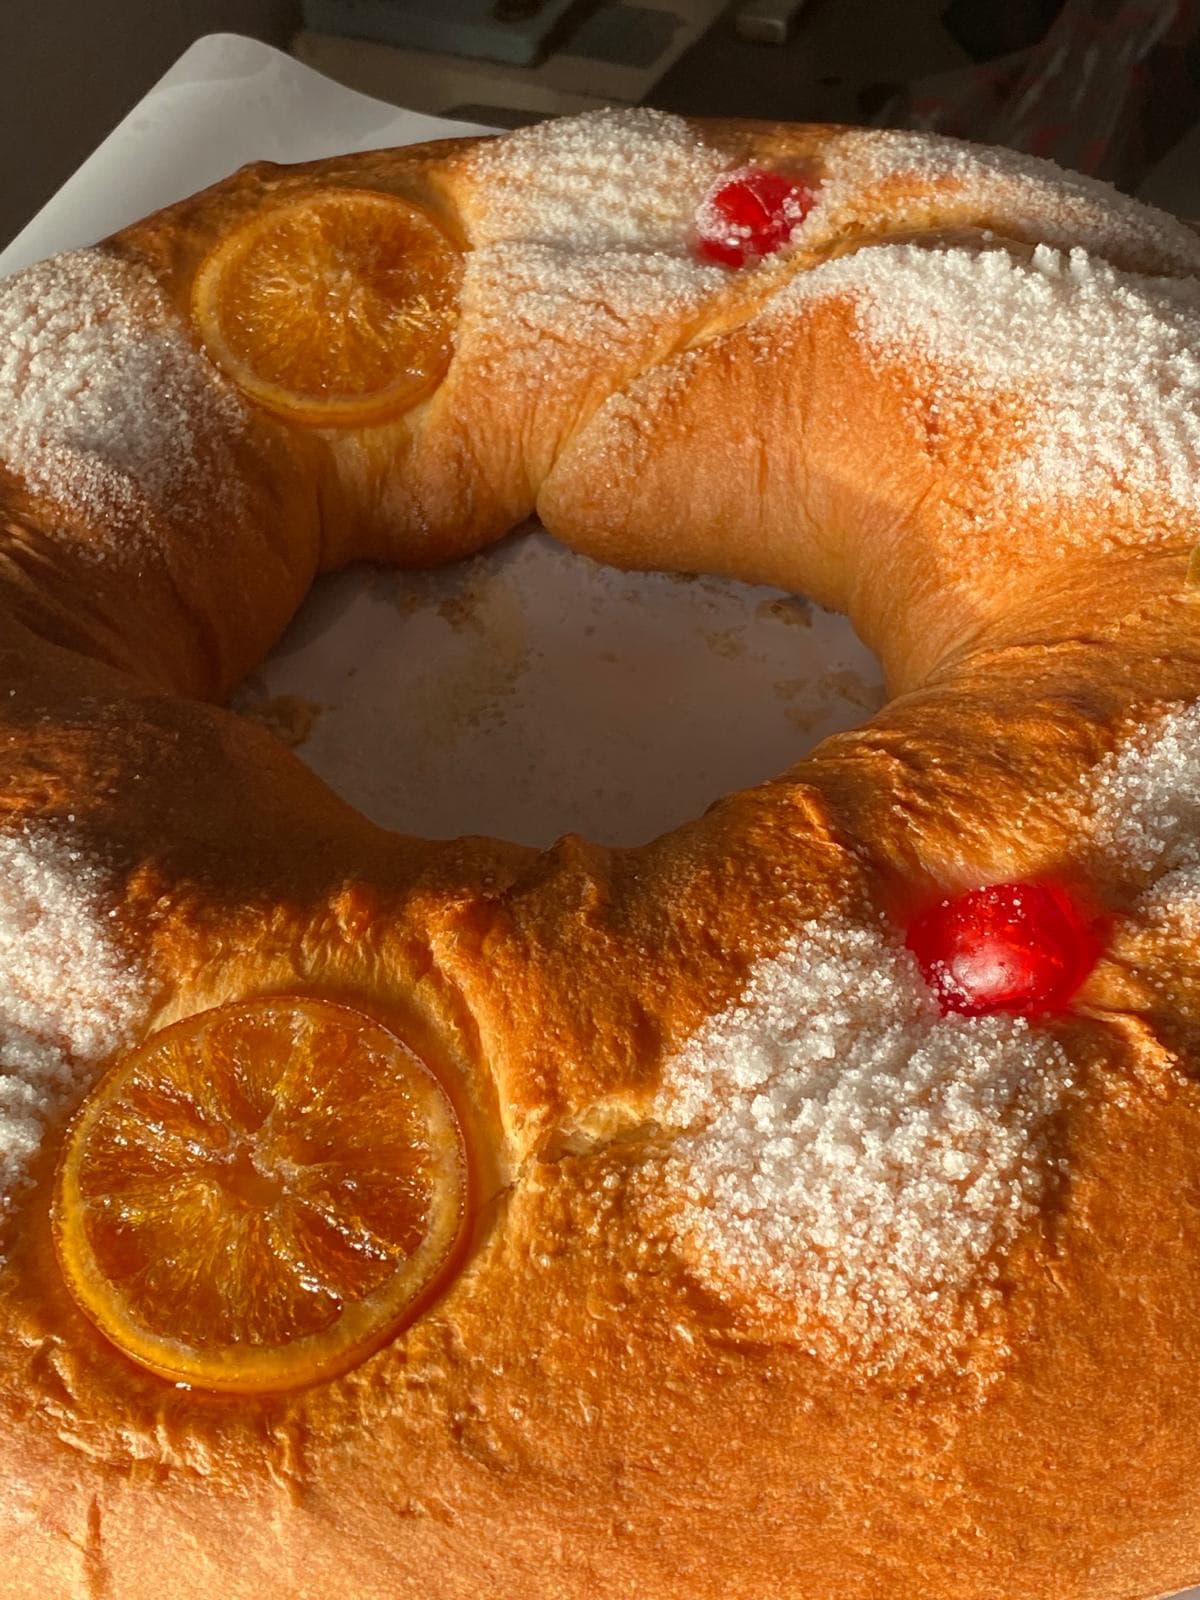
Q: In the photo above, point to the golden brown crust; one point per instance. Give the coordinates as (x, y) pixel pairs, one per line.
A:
(577, 1415)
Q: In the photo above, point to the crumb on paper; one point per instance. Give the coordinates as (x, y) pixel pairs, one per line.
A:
(463, 610)
(290, 717)
(406, 601)
(792, 609)
(852, 686)
(809, 702)
(725, 642)
(789, 688)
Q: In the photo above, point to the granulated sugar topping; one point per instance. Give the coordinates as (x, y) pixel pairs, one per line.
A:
(582, 271)
(558, 321)
(106, 405)
(67, 996)
(1145, 797)
(853, 1161)
(609, 180)
(1098, 367)
(881, 180)
(613, 179)
(1142, 808)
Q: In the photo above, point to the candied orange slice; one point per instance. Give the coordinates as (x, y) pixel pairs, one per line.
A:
(337, 310)
(257, 1197)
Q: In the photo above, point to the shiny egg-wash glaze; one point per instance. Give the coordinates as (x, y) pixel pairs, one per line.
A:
(927, 411)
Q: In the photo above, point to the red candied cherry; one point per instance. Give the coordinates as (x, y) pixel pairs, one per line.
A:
(750, 216)
(1019, 947)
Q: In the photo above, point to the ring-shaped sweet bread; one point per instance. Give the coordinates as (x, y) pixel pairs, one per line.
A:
(831, 1219)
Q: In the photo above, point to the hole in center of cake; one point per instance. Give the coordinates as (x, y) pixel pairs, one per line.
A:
(530, 692)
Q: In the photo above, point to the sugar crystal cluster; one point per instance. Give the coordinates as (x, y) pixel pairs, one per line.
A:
(1095, 369)
(68, 996)
(849, 1158)
(106, 402)
(1143, 809)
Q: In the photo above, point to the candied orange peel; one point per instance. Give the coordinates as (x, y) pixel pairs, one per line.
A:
(337, 310)
(259, 1196)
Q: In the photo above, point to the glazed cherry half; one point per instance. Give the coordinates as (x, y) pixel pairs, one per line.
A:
(1015, 947)
(750, 216)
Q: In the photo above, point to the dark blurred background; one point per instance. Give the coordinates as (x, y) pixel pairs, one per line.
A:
(1109, 86)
